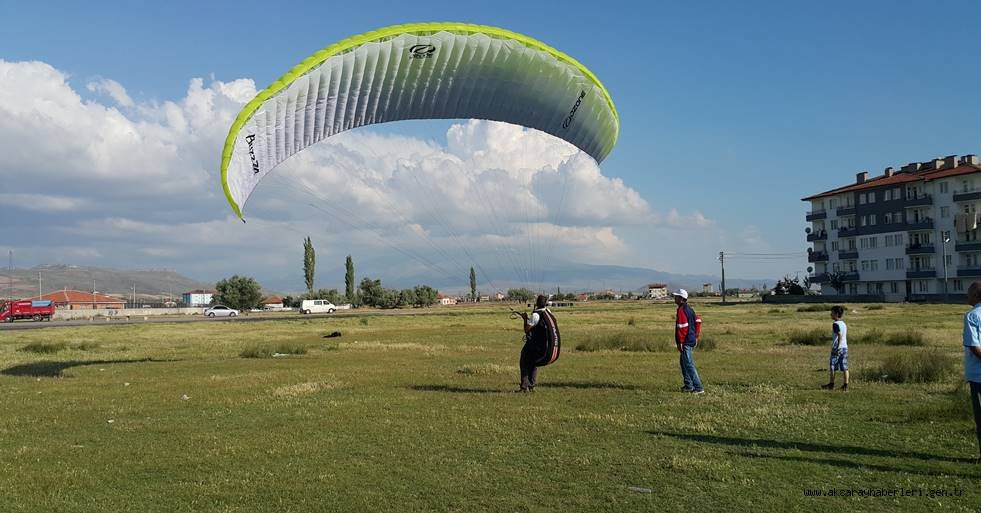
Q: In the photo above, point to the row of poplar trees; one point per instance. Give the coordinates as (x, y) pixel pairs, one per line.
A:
(310, 264)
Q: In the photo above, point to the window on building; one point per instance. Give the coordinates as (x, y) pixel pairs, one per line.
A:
(878, 288)
(865, 265)
(851, 266)
(950, 260)
(943, 187)
(869, 288)
(944, 212)
(834, 267)
(862, 220)
(872, 220)
(834, 245)
(958, 285)
(890, 264)
(887, 219)
(832, 202)
(923, 287)
(872, 197)
(872, 241)
(834, 224)
(900, 263)
(861, 199)
(853, 289)
(894, 287)
(874, 265)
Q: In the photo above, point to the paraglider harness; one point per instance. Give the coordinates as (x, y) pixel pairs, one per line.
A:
(544, 337)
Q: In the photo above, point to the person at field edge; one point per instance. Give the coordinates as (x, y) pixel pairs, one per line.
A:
(839, 347)
(972, 354)
(685, 337)
(535, 345)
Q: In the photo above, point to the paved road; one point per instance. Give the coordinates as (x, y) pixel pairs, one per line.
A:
(163, 319)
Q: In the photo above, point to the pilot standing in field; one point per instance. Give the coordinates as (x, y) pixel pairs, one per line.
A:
(541, 343)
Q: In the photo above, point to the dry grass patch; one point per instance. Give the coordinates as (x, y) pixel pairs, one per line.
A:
(302, 389)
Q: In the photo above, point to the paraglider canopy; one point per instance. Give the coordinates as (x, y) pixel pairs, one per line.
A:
(417, 71)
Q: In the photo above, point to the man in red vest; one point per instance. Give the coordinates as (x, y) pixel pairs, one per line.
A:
(686, 338)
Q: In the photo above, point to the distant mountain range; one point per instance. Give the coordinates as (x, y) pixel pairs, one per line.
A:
(149, 283)
(570, 276)
(394, 273)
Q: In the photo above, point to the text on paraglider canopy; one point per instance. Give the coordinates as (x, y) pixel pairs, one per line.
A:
(255, 163)
(572, 113)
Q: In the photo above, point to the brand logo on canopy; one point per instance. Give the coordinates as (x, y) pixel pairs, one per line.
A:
(421, 51)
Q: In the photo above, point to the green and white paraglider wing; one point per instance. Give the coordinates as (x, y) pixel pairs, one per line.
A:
(417, 71)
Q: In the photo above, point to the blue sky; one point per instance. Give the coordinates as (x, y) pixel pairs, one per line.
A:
(735, 110)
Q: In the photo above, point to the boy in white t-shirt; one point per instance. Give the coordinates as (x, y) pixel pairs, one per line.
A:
(839, 347)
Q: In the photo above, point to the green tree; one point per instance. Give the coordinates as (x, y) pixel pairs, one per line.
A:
(425, 295)
(407, 297)
(521, 294)
(238, 292)
(349, 291)
(473, 285)
(309, 263)
(331, 295)
(371, 292)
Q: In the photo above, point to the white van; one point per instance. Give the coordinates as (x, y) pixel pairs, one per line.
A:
(309, 306)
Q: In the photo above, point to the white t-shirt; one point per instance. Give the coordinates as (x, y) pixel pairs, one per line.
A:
(840, 335)
(533, 319)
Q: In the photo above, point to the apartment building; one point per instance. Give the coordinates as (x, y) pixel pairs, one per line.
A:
(896, 235)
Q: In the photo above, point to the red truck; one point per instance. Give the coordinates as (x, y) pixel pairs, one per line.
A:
(28, 309)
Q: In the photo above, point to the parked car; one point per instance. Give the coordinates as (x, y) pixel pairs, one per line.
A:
(220, 311)
(309, 306)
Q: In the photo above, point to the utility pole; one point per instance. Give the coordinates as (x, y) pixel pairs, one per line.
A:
(10, 277)
(39, 285)
(946, 239)
(722, 261)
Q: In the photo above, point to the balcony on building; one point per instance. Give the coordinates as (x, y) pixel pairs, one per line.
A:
(818, 235)
(923, 200)
(819, 278)
(921, 272)
(923, 224)
(817, 215)
(920, 249)
(848, 210)
(848, 254)
(967, 245)
(817, 256)
(968, 271)
(850, 276)
(845, 231)
(967, 196)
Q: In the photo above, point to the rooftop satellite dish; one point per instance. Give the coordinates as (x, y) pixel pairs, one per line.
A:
(810, 269)
(807, 230)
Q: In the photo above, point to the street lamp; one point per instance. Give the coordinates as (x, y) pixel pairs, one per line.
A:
(946, 239)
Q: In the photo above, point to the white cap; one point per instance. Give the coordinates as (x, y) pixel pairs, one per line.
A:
(681, 292)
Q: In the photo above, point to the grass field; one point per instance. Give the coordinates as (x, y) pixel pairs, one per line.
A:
(414, 413)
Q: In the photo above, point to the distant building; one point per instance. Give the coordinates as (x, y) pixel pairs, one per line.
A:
(583, 297)
(500, 296)
(78, 300)
(900, 234)
(272, 303)
(446, 300)
(708, 289)
(657, 290)
(198, 297)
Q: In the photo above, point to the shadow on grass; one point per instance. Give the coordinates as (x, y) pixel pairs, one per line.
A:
(54, 369)
(863, 466)
(587, 385)
(809, 447)
(453, 390)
